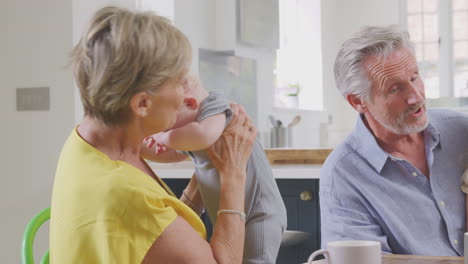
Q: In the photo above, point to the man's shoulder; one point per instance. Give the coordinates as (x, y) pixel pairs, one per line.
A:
(445, 120)
(342, 157)
(340, 153)
(442, 115)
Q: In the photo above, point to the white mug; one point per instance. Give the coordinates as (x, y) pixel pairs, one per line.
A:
(465, 250)
(350, 252)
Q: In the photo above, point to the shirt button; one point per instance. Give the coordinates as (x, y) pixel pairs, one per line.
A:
(415, 174)
(455, 242)
(442, 203)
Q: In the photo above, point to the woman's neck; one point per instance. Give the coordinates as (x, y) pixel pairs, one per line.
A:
(120, 142)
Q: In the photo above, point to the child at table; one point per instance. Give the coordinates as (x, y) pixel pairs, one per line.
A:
(200, 122)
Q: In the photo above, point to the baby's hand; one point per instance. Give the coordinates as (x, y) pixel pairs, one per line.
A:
(156, 141)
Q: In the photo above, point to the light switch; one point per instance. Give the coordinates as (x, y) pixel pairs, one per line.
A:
(33, 99)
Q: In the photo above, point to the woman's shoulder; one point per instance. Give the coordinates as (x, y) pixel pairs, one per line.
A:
(113, 217)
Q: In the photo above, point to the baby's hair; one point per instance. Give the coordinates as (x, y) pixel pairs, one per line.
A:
(193, 87)
(189, 83)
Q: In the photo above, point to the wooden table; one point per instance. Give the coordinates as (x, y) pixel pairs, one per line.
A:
(409, 259)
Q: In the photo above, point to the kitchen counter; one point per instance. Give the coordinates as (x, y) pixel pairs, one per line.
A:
(286, 164)
(185, 169)
(297, 156)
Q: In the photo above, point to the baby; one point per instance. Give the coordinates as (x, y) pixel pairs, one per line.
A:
(200, 122)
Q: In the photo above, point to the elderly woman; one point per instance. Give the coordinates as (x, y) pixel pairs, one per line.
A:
(108, 206)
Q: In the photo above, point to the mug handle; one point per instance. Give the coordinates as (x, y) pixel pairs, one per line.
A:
(316, 253)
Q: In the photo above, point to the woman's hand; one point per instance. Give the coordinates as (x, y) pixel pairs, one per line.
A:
(230, 155)
(232, 150)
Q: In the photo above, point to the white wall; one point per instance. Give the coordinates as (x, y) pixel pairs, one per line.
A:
(35, 40)
(82, 11)
(196, 19)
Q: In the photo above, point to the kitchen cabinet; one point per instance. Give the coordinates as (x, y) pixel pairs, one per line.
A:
(302, 204)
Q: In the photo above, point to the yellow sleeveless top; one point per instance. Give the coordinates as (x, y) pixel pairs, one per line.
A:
(106, 211)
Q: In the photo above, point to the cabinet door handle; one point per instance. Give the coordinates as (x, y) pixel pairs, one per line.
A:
(306, 196)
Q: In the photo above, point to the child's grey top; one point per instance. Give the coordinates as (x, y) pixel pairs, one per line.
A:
(214, 104)
(262, 197)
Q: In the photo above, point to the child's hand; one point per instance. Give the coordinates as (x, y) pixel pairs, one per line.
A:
(156, 141)
(160, 149)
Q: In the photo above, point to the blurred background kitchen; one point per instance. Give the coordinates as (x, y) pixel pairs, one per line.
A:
(274, 56)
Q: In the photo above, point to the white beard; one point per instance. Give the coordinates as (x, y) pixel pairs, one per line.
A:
(398, 126)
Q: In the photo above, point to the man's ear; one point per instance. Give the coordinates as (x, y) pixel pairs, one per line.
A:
(357, 103)
(191, 103)
(140, 104)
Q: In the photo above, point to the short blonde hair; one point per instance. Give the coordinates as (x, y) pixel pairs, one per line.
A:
(123, 53)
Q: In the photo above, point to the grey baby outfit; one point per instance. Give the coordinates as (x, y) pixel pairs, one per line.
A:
(264, 207)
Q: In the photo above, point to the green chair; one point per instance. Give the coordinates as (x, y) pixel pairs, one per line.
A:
(28, 238)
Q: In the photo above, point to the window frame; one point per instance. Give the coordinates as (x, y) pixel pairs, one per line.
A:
(445, 62)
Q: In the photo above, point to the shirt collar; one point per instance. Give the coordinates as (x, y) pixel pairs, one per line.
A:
(366, 145)
(432, 135)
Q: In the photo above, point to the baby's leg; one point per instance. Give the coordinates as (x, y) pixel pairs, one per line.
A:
(262, 239)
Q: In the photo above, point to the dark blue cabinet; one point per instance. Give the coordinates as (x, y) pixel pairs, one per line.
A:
(301, 199)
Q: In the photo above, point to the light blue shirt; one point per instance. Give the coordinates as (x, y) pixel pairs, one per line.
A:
(367, 194)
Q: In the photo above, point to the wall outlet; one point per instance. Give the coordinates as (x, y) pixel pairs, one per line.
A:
(33, 99)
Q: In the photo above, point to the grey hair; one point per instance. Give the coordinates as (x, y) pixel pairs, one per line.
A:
(125, 52)
(350, 75)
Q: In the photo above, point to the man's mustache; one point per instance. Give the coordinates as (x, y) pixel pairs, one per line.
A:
(414, 108)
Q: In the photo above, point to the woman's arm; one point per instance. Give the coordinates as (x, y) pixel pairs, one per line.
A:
(179, 243)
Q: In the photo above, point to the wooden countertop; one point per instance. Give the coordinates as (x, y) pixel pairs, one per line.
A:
(286, 164)
(410, 259)
(297, 156)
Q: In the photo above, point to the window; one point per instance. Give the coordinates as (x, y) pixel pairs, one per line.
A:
(460, 47)
(439, 30)
(299, 61)
(422, 19)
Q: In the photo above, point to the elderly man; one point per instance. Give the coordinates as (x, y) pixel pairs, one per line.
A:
(396, 178)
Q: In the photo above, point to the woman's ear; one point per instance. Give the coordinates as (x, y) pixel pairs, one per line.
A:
(191, 103)
(357, 103)
(141, 103)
